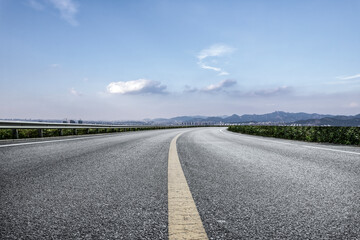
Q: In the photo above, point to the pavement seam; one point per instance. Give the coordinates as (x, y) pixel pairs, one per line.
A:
(184, 219)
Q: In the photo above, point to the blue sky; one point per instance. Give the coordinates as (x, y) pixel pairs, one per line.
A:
(121, 60)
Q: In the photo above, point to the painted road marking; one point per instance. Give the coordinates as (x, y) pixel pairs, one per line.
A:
(51, 141)
(184, 219)
(286, 143)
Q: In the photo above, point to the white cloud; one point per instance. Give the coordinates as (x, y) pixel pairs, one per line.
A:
(216, 50)
(75, 93)
(68, 10)
(220, 86)
(136, 87)
(349, 77)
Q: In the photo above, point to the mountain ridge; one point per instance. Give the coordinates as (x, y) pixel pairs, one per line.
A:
(277, 117)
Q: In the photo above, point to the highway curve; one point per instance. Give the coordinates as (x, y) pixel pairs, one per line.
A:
(115, 186)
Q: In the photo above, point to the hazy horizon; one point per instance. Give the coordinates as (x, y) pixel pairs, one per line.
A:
(133, 60)
(156, 118)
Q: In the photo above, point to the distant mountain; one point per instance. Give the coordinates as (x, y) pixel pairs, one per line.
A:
(187, 118)
(275, 117)
(233, 119)
(278, 117)
(344, 121)
(214, 119)
(176, 120)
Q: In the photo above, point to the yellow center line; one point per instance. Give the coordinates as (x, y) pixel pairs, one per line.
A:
(184, 219)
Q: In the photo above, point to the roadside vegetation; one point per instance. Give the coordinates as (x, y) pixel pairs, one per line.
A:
(337, 135)
(34, 133)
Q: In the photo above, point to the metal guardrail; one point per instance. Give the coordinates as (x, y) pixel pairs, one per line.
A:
(47, 125)
(16, 125)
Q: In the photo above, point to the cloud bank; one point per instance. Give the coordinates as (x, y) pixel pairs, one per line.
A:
(228, 88)
(220, 86)
(272, 92)
(136, 87)
(212, 88)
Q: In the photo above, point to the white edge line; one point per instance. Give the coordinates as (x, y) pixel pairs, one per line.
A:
(334, 150)
(329, 149)
(60, 140)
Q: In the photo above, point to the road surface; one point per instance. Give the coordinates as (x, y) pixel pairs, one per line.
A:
(115, 186)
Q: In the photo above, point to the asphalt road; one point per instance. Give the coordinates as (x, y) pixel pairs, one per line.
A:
(115, 186)
(250, 187)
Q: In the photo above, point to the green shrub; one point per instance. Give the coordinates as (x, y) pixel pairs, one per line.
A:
(5, 133)
(339, 135)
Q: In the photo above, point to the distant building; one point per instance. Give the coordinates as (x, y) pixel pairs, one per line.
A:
(80, 121)
(72, 121)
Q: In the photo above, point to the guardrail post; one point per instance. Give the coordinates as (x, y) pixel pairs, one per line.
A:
(75, 131)
(15, 133)
(61, 132)
(41, 132)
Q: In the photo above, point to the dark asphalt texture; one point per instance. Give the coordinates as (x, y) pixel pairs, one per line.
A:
(115, 187)
(109, 187)
(248, 188)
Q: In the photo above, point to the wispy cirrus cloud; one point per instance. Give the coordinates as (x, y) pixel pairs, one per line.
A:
(136, 87)
(349, 77)
(216, 50)
(345, 80)
(68, 10)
